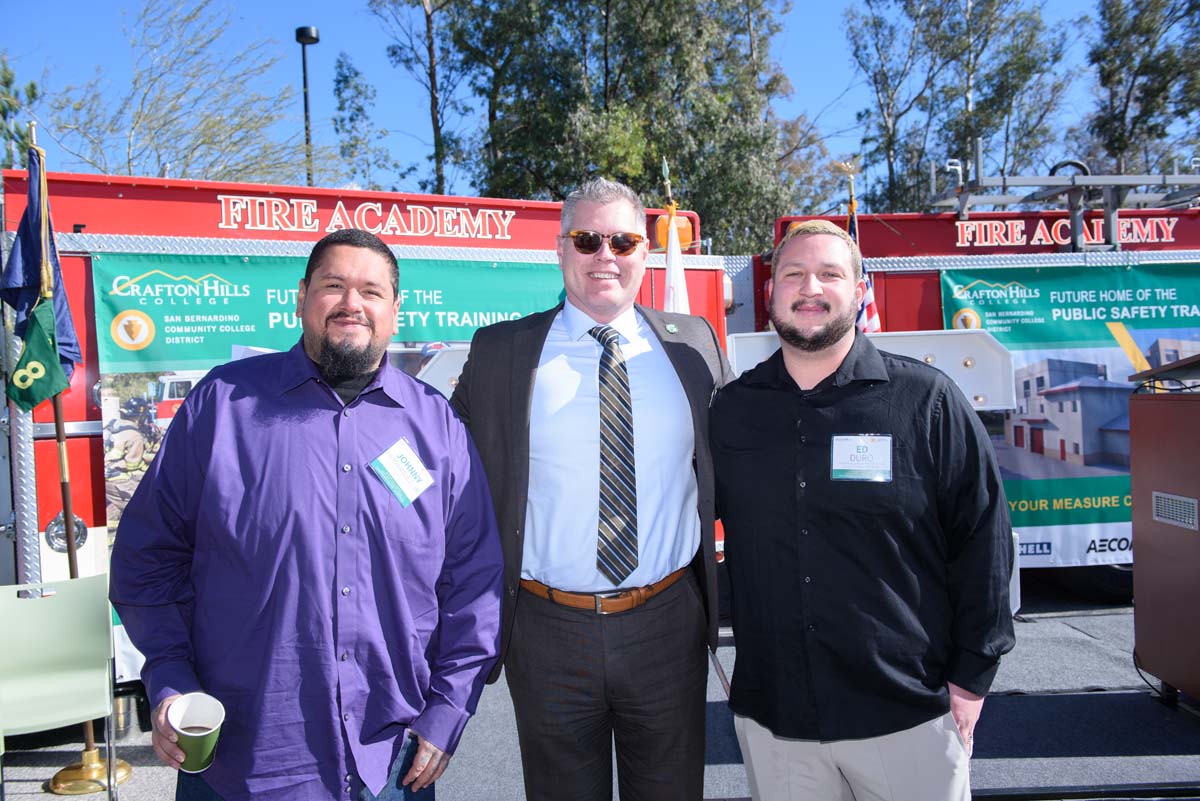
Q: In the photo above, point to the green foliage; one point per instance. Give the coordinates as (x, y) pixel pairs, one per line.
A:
(422, 46)
(1146, 62)
(1004, 85)
(189, 111)
(806, 167)
(361, 144)
(945, 73)
(900, 48)
(610, 87)
(14, 133)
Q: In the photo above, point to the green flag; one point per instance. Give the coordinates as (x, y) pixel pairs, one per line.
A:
(38, 374)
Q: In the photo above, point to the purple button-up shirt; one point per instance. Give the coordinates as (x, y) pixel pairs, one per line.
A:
(263, 561)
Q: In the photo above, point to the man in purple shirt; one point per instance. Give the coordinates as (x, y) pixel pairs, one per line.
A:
(315, 545)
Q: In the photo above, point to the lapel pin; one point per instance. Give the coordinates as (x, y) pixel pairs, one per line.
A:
(672, 328)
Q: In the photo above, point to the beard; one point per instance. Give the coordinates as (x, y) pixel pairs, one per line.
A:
(339, 361)
(826, 336)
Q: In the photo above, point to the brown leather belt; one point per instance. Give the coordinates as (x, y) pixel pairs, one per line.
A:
(603, 603)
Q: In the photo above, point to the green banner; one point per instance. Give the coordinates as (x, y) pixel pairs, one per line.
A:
(1076, 335)
(1074, 307)
(1063, 501)
(171, 312)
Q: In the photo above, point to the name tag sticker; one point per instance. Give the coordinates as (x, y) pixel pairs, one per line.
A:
(401, 470)
(861, 457)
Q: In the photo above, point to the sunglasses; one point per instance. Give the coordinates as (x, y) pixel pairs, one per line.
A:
(588, 242)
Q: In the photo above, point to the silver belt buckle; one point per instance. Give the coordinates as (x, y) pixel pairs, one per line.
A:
(599, 596)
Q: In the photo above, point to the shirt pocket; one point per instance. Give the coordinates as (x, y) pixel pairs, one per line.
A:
(421, 523)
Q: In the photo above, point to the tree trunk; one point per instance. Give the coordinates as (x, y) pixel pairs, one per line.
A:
(435, 117)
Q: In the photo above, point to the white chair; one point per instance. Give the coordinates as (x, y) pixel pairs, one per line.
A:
(55, 664)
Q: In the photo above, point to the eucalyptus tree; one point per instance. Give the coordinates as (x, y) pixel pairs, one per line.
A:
(584, 87)
(362, 144)
(1146, 62)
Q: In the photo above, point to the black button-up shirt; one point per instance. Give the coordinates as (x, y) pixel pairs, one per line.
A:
(854, 602)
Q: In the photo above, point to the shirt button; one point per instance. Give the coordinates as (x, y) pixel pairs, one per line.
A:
(512, 590)
(811, 627)
(345, 412)
(349, 778)
(803, 484)
(345, 590)
(345, 468)
(346, 717)
(803, 438)
(807, 580)
(804, 531)
(346, 655)
(346, 529)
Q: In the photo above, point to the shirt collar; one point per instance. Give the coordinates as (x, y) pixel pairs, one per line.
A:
(298, 368)
(578, 323)
(862, 363)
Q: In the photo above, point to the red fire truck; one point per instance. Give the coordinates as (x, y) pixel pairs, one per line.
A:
(168, 277)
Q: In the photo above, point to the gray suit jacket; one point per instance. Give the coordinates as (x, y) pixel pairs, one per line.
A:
(493, 398)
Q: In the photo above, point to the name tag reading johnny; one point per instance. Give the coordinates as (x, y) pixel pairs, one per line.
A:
(861, 457)
(401, 470)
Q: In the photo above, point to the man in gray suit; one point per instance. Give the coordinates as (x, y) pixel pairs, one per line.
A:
(591, 420)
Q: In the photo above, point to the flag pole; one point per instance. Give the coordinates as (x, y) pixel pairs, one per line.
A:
(675, 295)
(60, 437)
(89, 774)
(868, 320)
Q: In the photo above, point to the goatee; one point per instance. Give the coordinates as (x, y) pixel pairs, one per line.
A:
(826, 336)
(340, 361)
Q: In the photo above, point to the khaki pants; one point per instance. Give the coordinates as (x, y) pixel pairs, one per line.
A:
(925, 763)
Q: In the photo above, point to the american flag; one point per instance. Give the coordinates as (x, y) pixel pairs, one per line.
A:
(868, 313)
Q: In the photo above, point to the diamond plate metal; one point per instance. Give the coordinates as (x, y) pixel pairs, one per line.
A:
(214, 246)
(24, 482)
(1123, 258)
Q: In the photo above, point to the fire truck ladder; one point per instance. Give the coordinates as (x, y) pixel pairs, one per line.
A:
(1082, 190)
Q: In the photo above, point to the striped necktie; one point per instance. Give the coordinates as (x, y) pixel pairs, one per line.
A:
(617, 547)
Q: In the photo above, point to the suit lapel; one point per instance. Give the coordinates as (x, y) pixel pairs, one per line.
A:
(527, 349)
(681, 356)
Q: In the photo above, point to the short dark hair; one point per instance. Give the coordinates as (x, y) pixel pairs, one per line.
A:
(354, 238)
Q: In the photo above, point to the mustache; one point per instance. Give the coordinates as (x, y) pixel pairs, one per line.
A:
(358, 318)
(820, 304)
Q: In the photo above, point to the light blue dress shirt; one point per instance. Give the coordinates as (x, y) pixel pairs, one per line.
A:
(562, 512)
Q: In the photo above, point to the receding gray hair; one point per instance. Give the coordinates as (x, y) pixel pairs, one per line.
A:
(602, 191)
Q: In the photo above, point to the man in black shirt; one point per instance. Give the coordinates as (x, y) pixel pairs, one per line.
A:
(869, 550)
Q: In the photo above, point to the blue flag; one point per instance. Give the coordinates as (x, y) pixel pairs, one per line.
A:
(21, 284)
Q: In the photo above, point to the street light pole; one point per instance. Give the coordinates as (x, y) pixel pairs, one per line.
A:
(307, 36)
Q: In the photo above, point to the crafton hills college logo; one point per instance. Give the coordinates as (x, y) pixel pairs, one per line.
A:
(966, 319)
(132, 329)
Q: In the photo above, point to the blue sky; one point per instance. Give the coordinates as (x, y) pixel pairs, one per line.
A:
(811, 48)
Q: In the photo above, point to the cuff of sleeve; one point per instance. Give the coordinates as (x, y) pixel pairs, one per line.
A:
(441, 723)
(973, 672)
(167, 679)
